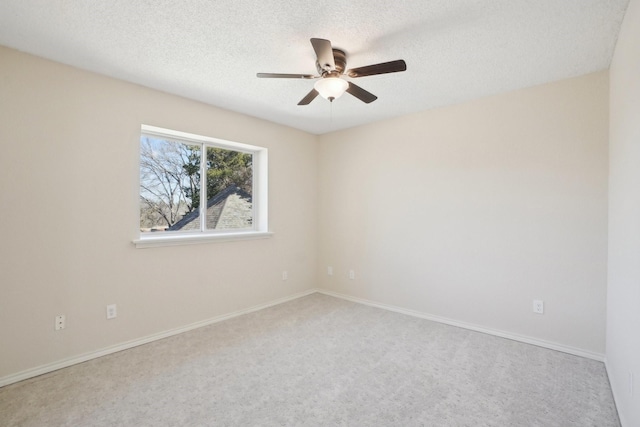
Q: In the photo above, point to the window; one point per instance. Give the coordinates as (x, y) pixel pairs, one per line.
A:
(195, 188)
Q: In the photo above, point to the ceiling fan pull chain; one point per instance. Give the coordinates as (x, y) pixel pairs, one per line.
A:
(330, 113)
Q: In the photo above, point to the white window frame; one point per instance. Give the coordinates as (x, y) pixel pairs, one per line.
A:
(260, 223)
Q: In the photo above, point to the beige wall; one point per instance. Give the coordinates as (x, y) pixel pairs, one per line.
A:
(471, 212)
(68, 183)
(623, 298)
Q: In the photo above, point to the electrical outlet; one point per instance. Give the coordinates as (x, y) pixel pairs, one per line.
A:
(352, 274)
(538, 306)
(285, 275)
(329, 271)
(112, 311)
(61, 322)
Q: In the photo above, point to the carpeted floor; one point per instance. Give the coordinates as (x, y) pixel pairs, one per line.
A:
(320, 361)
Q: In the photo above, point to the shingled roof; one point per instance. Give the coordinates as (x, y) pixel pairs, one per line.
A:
(229, 209)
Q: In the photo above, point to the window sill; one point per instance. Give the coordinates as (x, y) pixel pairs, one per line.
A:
(180, 240)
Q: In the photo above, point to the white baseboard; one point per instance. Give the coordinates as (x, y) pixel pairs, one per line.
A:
(509, 335)
(50, 367)
(614, 391)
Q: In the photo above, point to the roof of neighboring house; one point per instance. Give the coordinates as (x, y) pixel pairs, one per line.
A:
(229, 209)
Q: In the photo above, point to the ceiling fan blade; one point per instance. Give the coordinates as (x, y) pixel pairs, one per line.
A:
(324, 53)
(361, 94)
(383, 68)
(310, 97)
(286, 76)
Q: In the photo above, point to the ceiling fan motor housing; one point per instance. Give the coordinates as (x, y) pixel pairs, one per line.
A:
(340, 58)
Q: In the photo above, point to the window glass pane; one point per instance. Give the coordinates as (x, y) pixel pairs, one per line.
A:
(169, 185)
(229, 189)
(194, 187)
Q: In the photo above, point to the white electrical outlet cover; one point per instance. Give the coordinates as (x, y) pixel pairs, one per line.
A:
(112, 311)
(60, 322)
(538, 306)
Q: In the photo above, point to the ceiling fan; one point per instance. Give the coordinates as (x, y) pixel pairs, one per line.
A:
(331, 64)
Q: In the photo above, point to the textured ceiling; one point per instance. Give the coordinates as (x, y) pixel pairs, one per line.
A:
(455, 50)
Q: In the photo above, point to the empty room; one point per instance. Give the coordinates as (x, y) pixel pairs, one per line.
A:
(362, 213)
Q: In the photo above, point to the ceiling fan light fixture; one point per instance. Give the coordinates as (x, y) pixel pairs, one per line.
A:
(331, 87)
